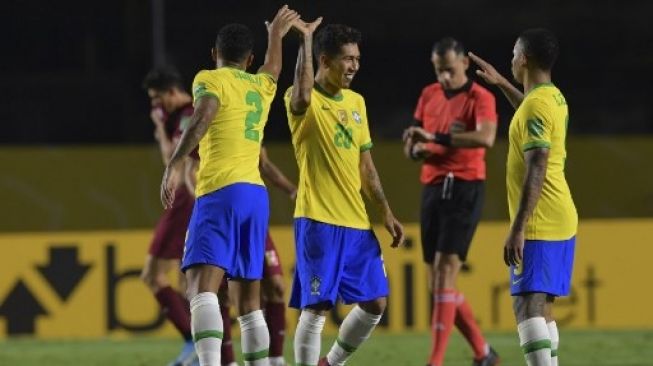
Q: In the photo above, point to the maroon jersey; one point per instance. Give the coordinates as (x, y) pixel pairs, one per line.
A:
(177, 122)
(437, 109)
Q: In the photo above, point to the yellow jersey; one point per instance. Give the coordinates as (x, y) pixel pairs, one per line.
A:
(541, 122)
(229, 151)
(328, 140)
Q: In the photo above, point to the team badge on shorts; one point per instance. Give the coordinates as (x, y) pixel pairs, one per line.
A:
(357, 116)
(315, 286)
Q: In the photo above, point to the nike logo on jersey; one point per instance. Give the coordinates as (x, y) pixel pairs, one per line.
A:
(325, 108)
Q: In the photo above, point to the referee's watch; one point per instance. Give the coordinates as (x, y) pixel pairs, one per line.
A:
(442, 138)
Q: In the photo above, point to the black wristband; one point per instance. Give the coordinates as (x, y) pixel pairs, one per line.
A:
(442, 139)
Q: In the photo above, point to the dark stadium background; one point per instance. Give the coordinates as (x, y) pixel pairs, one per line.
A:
(70, 71)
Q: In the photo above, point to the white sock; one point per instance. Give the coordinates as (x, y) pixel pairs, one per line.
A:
(354, 330)
(277, 361)
(307, 338)
(535, 341)
(254, 338)
(206, 326)
(555, 340)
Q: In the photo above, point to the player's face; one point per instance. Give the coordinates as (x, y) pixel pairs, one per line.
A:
(162, 99)
(450, 69)
(343, 67)
(518, 62)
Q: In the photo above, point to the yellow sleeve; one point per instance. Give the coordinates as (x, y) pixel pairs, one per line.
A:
(206, 84)
(365, 141)
(293, 119)
(538, 125)
(268, 84)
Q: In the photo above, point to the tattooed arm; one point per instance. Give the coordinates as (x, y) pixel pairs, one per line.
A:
(205, 110)
(374, 191)
(536, 164)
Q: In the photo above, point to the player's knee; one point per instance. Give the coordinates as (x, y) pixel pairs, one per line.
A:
(526, 307)
(277, 290)
(246, 306)
(376, 307)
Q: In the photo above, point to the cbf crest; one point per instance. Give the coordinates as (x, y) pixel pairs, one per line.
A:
(357, 116)
(315, 285)
(342, 116)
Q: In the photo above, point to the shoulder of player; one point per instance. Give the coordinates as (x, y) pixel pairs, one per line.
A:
(478, 91)
(431, 89)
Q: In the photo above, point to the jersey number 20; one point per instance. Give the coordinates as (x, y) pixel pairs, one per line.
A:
(253, 118)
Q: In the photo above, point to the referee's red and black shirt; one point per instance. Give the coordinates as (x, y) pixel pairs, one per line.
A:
(437, 109)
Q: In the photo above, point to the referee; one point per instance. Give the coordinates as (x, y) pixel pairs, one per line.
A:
(455, 121)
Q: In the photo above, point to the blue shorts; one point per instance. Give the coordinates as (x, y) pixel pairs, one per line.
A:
(336, 262)
(228, 229)
(546, 268)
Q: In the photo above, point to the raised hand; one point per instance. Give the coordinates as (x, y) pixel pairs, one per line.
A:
(307, 29)
(486, 70)
(282, 22)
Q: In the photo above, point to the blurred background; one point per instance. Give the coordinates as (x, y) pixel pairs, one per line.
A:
(80, 171)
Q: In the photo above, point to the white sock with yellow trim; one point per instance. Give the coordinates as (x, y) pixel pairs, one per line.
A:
(555, 341)
(354, 330)
(206, 327)
(535, 341)
(254, 338)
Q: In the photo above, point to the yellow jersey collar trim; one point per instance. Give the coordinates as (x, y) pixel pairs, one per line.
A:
(338, 97)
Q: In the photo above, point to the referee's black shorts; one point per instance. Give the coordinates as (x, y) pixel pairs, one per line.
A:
(449, 215)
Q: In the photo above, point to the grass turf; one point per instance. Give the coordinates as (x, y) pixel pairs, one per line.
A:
(578, 348)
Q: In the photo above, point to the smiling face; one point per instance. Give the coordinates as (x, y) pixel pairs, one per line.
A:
(341, 68)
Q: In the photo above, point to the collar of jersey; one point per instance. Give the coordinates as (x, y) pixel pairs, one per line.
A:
(337, 97)
(540, 85)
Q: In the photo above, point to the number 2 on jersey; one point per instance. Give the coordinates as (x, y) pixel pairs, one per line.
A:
(253, 118)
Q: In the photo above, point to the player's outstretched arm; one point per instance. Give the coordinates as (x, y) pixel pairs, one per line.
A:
(536, 165)
(272, 173)
(374, 191)
(206, 108)
(277, 29)
(492, 77)
(300, 97)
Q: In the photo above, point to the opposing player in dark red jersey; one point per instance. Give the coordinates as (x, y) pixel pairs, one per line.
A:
(171, 108)
(455, 121)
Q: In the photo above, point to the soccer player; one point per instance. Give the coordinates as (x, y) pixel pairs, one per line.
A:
(540, 245)
(338, 255)
(455, 122)
(171, 109)
(227, 229)
(273, 289)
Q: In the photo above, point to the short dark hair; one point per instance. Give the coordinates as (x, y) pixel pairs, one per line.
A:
(163, 78)
(332, 37)
(446, 44)
(540, 46)
(234, 42)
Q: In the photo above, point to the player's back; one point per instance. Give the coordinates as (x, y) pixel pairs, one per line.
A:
(541, 122)
(229, 151)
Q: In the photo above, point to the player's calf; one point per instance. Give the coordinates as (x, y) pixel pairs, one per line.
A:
(355, 329)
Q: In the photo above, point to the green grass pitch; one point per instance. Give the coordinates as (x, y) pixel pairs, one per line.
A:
(578, 348)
